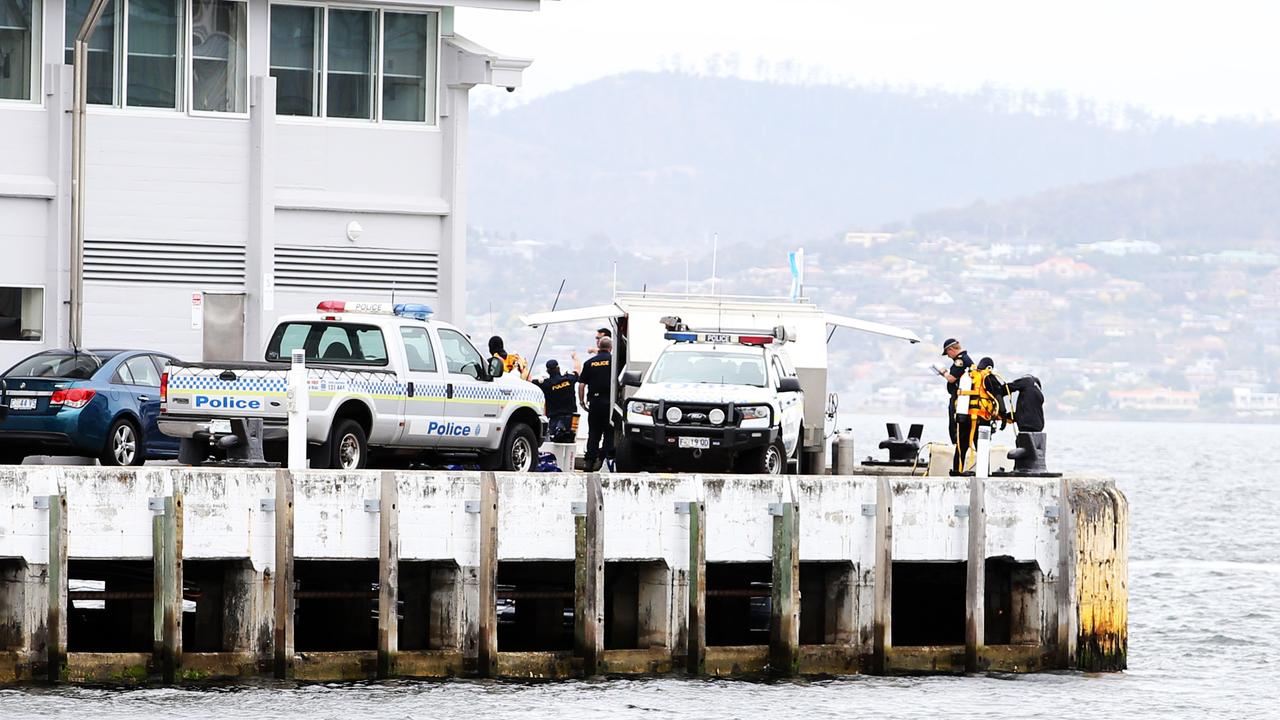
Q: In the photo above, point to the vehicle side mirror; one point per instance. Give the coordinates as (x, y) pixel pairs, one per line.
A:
(789, 384)
(475, 370)
(632, 378)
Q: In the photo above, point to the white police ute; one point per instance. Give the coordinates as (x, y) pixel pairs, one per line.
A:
(386, 385)
(714, 400)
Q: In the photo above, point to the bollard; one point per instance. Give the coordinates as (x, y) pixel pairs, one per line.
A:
(1029, 454)
(299, 405)
(981, 451)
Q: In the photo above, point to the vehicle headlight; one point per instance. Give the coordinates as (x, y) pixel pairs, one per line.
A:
(755, 412)
(640, 407)
(674, 414)
(716, 416)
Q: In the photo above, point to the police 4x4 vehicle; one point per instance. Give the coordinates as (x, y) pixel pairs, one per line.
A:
(719, 397)
(381, 378)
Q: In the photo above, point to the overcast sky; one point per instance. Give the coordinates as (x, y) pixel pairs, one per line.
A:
(1184, 58)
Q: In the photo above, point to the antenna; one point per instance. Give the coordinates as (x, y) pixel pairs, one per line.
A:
(615, 278)
(715, 249)
(393, 292)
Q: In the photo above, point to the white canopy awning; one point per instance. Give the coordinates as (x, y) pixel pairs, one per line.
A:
(555, 317)
(872, 327)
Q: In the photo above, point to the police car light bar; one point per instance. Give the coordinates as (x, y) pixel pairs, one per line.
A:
(414, 311)
(719, 338)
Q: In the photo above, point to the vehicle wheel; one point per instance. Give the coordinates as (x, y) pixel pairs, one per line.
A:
(519, 451)
(12, 458)
(348, 446)
(627, 456)
(124, 445)
(768, 460)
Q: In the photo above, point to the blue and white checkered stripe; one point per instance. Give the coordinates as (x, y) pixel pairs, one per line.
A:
(244, 384)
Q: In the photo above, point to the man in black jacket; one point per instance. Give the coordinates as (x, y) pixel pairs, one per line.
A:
(1028, 409)
(558, 388)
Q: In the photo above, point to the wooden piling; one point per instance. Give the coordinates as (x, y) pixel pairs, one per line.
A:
(388, 574)
(487, 653)
(57, 588)
(696, 654)
(157, 590)
(975, 598)
(1066, 581)
(588, 591)
(171, 650)
(784, 626)
(882, 635)
(283, 584)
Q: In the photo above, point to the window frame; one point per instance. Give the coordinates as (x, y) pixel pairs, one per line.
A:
(43, 314)
(426, 335)
(145, 359)
(430, 121)
(35, 79)
(189, 68)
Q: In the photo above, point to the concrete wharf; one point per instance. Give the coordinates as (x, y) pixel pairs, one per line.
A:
(173, 574)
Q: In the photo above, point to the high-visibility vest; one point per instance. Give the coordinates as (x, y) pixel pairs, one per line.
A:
(982, 405)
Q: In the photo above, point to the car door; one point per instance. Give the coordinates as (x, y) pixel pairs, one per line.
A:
(142, 381)
(791, 403)
(425, 387)
(472, 405)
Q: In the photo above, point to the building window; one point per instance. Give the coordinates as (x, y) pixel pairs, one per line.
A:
(101, 87)
(408, 93)
(297, 35)
(158, 37)
(219, 53)
(21, 311)
(19, 48)
(354, 64)
(152, 68)
(349, 74)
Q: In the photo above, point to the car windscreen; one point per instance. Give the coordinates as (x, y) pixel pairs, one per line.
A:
(709, 367)
(73, 366)
(328, 343)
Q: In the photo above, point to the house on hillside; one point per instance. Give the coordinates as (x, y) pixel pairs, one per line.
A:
(250, 154)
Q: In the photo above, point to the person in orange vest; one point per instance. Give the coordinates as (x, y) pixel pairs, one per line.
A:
(502, 362)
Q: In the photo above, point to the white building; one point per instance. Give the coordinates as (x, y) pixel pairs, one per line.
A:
(287, 151)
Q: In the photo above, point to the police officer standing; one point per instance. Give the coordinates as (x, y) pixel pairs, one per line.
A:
(558, 389)
(958, 411)
(594, 384)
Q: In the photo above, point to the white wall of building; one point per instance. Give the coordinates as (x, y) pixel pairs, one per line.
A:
(181, 202)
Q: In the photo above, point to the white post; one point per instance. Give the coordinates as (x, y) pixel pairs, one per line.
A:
(982, 446)
(298, 406)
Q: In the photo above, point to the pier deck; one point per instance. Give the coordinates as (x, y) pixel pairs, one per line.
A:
(172, 574)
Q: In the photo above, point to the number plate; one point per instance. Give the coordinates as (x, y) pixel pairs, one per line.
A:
(721, 339)
(220, 426)
(700, 443)
(22, 404)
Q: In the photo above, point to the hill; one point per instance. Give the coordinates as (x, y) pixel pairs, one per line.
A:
(663, 159)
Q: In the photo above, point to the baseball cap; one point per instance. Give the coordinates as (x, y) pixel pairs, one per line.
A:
(948, 343)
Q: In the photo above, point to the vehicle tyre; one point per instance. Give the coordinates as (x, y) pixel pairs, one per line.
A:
(628, 457)
(519, 451)
(768, 460)
(124, 445)
(348, 446)
(12, 458)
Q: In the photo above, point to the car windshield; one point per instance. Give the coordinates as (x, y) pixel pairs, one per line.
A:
(75, 366)
(709, 367)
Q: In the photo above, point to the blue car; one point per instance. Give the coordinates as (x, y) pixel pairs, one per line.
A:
(94, 403)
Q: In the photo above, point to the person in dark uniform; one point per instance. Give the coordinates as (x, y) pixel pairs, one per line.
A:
(594, 385)
(1028, 410)
(558, 389)
(957, 418)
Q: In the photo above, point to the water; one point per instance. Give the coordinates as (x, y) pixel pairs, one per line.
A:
(1204, 632)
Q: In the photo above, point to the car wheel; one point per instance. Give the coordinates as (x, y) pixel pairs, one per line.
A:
(519, 451)
(627, 456)
(768, 460)
(124, 445)
(12, 458)
(348, 446)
